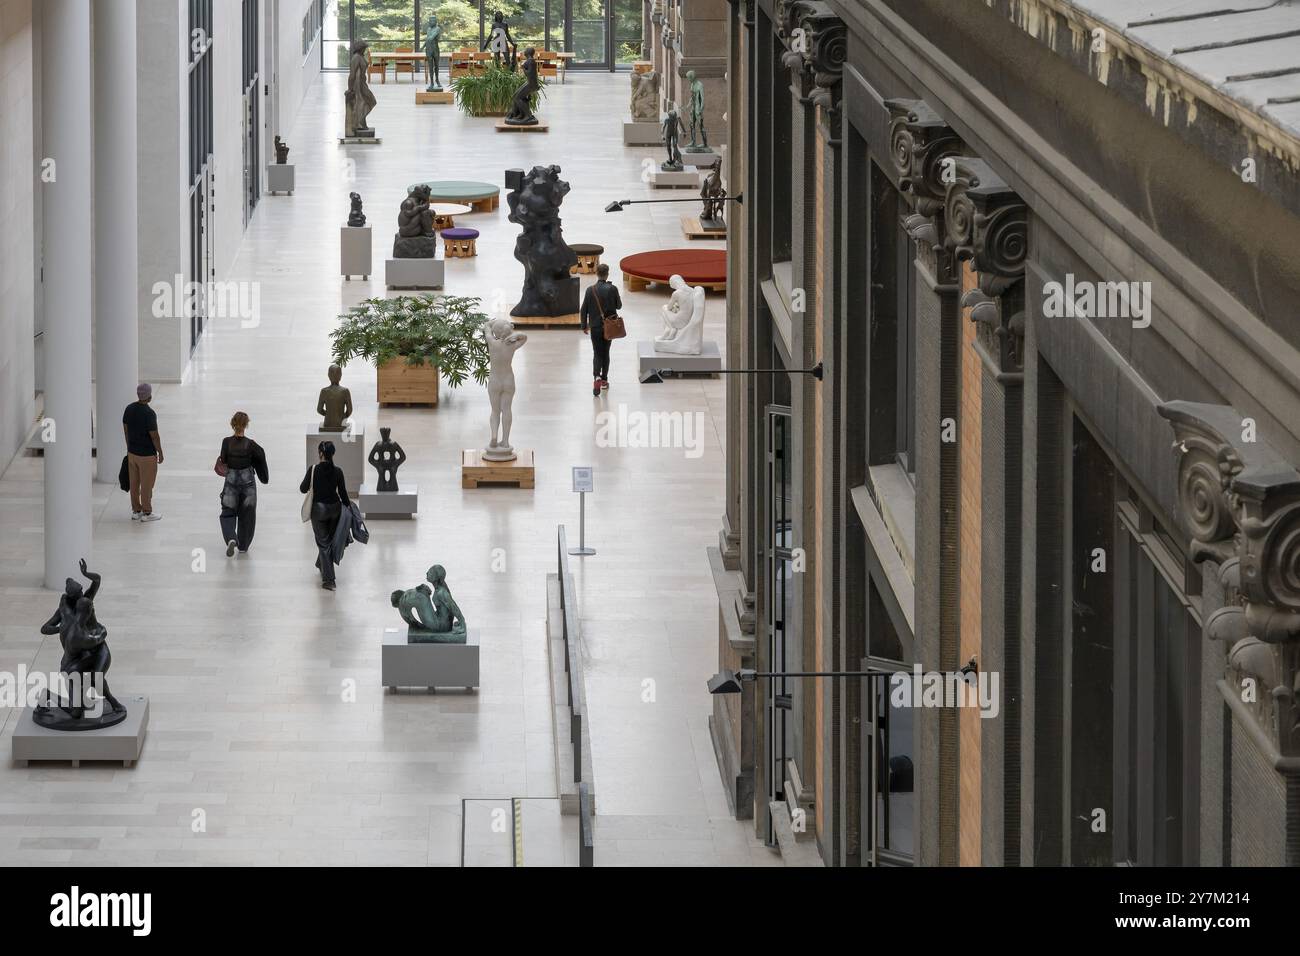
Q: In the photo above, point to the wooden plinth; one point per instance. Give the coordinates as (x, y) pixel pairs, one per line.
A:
(692, 229)
(397, 383)
(586, 265)
(440, 96)
(485, 205)
(573, 319)
(474, 471)
(459, 248)
(504, 127)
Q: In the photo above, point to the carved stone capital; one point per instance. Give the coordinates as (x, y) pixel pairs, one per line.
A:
(919, 142)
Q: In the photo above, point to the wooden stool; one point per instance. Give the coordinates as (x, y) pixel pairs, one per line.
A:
(459, 243)
(588, 257)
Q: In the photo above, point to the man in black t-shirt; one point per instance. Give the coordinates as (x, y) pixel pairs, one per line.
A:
(144, 453)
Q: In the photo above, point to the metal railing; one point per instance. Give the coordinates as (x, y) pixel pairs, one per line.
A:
(577, 696)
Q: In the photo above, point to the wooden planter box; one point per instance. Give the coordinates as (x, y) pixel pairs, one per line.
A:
(402, 384)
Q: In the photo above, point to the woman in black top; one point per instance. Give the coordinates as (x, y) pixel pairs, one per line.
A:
(329, 493)
(245, 465)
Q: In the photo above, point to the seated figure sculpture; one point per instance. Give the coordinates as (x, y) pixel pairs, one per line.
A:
(432, 615)
(84, 664)
(683, 316)
(415, 237)
(334, 404)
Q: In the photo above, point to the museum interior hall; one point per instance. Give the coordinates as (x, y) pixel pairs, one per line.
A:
(691, 433)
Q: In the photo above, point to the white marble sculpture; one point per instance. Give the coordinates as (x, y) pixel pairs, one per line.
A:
(502, 342)
(644, 105)
(683, 332)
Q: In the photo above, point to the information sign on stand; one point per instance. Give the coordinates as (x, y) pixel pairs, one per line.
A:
(583, 481)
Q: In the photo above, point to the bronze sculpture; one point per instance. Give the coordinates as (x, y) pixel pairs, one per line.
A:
(549, 287)
(697, 115)
(714, 195)
(433, 54)
(355, 216)
(415, 238)
(501, 43)
(281, 151)
(386, 456)
(521, 111)
(334, 403)
(431, 614)
(85, 663)
(359, 99)
(672, 130)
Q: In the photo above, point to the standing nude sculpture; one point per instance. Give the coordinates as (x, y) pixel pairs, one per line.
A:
(432, 54)
(502, 342)
(358, 98)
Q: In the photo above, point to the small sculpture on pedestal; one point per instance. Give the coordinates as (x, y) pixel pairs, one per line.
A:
(84, 664)
(697, 115)
(386, 456)
(683, 317)
(714, 195)
(502, 343)
(431, 614)
(281, 151)
(415, 237)
(433, 54)
(521, 111)
(644, 105)
(356, 217)
(673, 130)
(335, 403)
(550, 290)
(359, 99)
(501, 43)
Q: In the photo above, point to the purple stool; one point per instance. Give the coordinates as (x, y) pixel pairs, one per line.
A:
(459, 243)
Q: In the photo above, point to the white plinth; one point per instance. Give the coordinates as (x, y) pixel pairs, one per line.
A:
(402, 503)
(641, 133)
(414, 273)
(698, 159)
(123, 741)
(355, 255)
(403, 664)
(349, 451)
(279, 178)
(708, 361)
(360, 140)
(687, 178)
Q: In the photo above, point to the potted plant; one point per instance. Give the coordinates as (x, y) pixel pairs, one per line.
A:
(412, 340)
(489, 93)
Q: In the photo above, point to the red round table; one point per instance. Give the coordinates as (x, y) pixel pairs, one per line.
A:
(703, 267)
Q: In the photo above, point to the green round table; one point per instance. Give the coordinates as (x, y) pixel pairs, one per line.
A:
(484, 197)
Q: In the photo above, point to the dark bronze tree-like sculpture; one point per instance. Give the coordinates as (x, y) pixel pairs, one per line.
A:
(549, 288)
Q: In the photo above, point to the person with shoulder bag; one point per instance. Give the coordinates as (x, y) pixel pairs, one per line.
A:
(328, 491)
(600, 320)
(242, 463)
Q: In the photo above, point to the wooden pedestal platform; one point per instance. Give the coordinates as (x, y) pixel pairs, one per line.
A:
(504, 127)
(572, 320)
(474, 471)
(692, 229)
(440, 96)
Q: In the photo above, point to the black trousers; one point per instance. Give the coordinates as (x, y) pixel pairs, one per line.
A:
(324, 519)
(599, 356)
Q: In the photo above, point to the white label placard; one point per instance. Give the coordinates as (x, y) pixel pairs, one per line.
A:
(583, 478)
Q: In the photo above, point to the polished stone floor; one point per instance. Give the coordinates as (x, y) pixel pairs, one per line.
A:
(248, 662)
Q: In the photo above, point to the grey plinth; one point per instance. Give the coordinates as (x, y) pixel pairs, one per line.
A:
(402, 503)
(641, 134)
(124, 741)
(698, 159)
(355, 256)
(652, 362)
(403, 664)
(414, 273)
(349, 451)
(279, 178)
(664, 180)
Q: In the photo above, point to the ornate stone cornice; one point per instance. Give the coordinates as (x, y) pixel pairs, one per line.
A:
(988, 223)
(919, 141)
(1240, 502)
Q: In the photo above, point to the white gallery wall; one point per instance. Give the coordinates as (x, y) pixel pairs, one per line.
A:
(295, 73)
(18, 184)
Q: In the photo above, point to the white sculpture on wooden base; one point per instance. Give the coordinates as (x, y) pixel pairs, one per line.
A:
(683, 332)
(502, 342)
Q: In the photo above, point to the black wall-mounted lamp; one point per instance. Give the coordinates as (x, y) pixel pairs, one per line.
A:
(618, 204)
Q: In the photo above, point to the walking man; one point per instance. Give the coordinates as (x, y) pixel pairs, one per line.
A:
(602, 301)
(144, 452)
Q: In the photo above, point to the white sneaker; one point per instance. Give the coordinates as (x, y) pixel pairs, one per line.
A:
(151, 516)
(135, 515)
(230, 548)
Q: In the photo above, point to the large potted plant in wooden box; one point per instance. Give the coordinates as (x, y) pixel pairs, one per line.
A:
(489, 93)
(412, 341)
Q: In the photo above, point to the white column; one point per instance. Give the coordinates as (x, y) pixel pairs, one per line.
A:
(67, 140)
(117, 335)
